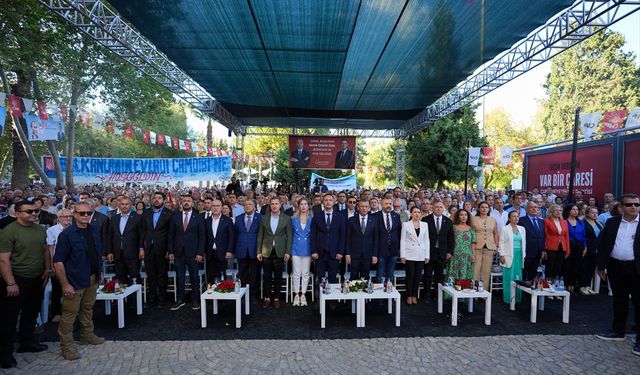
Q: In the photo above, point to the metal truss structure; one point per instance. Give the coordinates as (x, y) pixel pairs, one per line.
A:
(583, 19)
(400, 163)
(108, 29)
(363, 133)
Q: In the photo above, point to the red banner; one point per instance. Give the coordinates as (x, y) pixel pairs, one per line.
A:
(64, 112)
(613, 120)
(128, 132)
(631, 179)
(145, 136)
(593, 171)
(187, 146)
(176, 143)
(15, 105)
(322, 152)
(160, 139)
(488, 155)
(42, 110)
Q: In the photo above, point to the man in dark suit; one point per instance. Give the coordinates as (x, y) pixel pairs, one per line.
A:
(328, 239)
(186, 249)
(124, 242)
(389, 230)
(362, 242)
(619, 260)
(206, 212)
(219, 248)
(275, 235)
(246, 240)
(299, 157)
(441, 242)
(341, 204)
(534, 226)
(156, 222)
(344, 157)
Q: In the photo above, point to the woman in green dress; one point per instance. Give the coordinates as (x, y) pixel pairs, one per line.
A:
(512, 252)
(461, 262)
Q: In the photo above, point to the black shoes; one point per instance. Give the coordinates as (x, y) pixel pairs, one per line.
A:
(195, 305)
(611, 336)
(8, 362)
(176, 306)
(636, 348)
(32, 348)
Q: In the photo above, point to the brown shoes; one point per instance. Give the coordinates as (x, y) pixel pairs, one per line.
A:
(265, 303)
(92, 339)
(276, 303)
(70, 354)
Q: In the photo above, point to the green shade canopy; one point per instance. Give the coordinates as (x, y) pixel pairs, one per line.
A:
(331, 63)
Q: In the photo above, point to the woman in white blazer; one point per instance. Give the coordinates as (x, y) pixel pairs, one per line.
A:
(414, 252)
(512, 250)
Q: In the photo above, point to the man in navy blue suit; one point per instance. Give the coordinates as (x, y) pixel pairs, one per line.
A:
(246, 239)
(219, 233)
(328, 233)
(186, 249)
(534, 226)
(389, 229)
(362, 241)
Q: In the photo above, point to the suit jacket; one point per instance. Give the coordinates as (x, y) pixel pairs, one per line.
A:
(535, 237)
(301, 163)
(445, 238)
(190, 242)
(592, 240)
(505, 248)
(223, 238)
(388, 242)
(156, 239)
(246, 240)
(281, 239)
(608, 240)
(331, 239)
(358, 245)
(128, 243)
(346, 161)
(414, 247)
(552, 237)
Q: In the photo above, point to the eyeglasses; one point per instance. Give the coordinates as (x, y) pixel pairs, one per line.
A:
(84, 213)
(32, 211)
(352, 202)
(631, 204)
(67, 216)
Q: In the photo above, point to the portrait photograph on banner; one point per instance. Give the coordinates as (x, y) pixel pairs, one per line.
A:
(44, 130)
(322, 152)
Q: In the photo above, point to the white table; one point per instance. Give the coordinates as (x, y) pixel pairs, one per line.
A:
(470, 296)
(337, 295)
(379, 293)
(539, 295)
(232, 296)
(108, 297)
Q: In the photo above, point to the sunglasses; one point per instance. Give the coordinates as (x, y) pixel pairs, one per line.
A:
(84, 213)
(352, 202)
(67, 216)
(32, 211)
(631, 204)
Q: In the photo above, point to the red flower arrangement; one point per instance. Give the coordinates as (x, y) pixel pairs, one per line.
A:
(109, 287)
(464, 283)
(225, 286)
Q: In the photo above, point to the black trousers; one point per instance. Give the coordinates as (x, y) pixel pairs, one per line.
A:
(572, 265)
(328, 264)
(530, 268)
(273, 267)
(360, 268)
(156, 267)
(216, 268)
(248, 272)
(625, 281)
(553, 268)
(434, 270)
(184, 263)
(587, 270)
(56, 297)
(26, 305)
(414, 271)
(127, 269)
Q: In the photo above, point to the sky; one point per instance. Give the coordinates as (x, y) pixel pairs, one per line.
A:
(520, 97)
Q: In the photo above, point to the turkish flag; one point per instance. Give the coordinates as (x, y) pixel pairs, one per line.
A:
(15, 105)
(488, 155)
(64, 112)
(210, 151)
(145, 136)
(42, 110)
(128, 132)
(219, 152)
(160, 139)
(176, 143)
(613, 120)
(187, 146)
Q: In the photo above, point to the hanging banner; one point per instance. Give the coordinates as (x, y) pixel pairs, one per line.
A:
(3, 96)
(128, 132)
(322, 152)
(633, 119)
(612, 120)
(3, 119)
(160, 139)
(152, 137)
(506, 153)
(187, 146)
(176, 143)
(15, 104)
(488, 155)
(28, 104)
(335, 184)
(118, 171)
(146, 136)
(44, 130)
(589, 123)
(64, 112)
(474, 156)
(42, 110)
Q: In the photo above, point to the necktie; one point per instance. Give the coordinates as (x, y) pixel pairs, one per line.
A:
(363, 226)
(388, 223)
(535, 224)
(328, 220)
(437, 225)
(248, 222)
(185, 223)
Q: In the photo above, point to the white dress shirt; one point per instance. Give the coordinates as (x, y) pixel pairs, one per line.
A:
(215, 221)
(623, 248)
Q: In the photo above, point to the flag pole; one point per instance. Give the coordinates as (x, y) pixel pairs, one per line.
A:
(466, 175)
(574, 151)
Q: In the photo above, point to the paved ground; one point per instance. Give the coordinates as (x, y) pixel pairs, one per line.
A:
(526, 354)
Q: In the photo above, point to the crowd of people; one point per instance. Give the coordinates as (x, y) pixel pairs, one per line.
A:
(66, 236)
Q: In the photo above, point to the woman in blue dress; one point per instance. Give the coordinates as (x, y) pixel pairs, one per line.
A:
(512, 252)
(301, 251)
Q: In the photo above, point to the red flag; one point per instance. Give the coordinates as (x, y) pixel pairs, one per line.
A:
(209, 151)
(64, 112)
(613, 120)
(160, 139)
(176, 143)
(109, 126)
(488, 155)
(219, 152)
(187, 146)
(145, 136)
(15, 105)
(42, 110)
(128, 132)
(233, 157)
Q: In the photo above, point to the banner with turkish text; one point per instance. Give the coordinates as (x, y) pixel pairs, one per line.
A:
(474, 156)
(613, 120)
(589, 123)
(488, 155)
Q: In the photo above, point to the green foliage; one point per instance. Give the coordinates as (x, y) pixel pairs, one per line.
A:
(595, 75)
(438, 153)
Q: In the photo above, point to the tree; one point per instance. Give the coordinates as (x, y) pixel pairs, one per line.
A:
(438, 153)
(595, 75)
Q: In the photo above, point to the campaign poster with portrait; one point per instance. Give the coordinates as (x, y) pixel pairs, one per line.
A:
(322, 152)
(44, 130)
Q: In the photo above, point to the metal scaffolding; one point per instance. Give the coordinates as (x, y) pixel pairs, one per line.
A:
(580, 21)
(364, 133)
(108, 29)
(400, 163)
